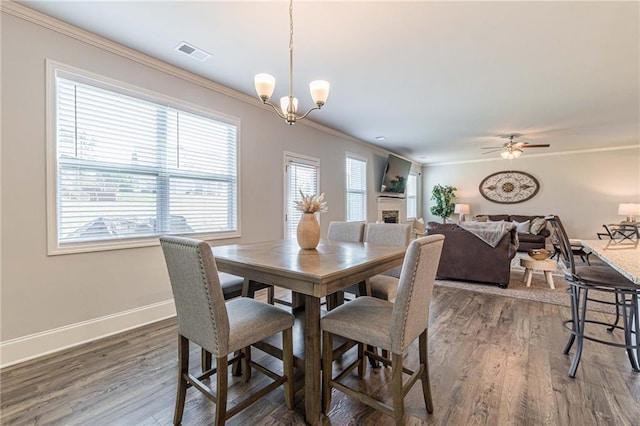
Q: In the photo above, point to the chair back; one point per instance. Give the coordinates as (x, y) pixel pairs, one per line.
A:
(411, 308)
(200, 307)
(346, 231)
(395, 234)
(563, 243)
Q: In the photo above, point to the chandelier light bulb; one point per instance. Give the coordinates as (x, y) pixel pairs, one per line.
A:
(284, 105)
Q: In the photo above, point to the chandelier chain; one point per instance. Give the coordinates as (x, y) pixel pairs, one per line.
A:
(291, 51)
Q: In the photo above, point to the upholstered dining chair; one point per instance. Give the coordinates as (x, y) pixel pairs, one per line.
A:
(585, 281)
(205, 319)
(346, 231)
(385, 286)
(392, 326)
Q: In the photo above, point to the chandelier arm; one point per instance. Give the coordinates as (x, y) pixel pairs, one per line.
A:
(307, 113)
(275, 109)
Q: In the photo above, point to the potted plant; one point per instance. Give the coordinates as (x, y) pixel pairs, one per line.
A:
(444, 197)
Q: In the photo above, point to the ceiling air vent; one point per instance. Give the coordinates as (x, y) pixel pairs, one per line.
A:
(193, 51)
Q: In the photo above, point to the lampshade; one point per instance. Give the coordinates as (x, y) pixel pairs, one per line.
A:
(319, 91)
(630, 210)
(265, 84)
(462, 208)
(284, 105)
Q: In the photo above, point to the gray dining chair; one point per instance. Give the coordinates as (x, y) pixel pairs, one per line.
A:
(205, 319)
(346, 231)
(391, 326)
(385, 286)
(592, 284)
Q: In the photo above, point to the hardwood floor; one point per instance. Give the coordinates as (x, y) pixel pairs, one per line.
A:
(493, 361)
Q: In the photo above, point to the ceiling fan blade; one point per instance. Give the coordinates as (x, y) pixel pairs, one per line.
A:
(540, 145)
(489, 152)
(492, 147)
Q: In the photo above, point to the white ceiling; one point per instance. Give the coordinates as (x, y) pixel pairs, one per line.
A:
(439, 80)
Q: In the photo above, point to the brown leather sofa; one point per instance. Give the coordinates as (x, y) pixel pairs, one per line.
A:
(528, 241)
(466, 257)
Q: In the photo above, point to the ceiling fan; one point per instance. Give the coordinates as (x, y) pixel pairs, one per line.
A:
(511, 149)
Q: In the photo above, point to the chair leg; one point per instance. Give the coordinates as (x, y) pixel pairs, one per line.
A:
(574, 319)
(246, 364)
(287, 359)
(580, 330)
(629, 323)
(396, 388)
(327, 367)
(362, 367)
(270, 295)
(424, 361)
(221, 391)
(205, 358)
(183, 370)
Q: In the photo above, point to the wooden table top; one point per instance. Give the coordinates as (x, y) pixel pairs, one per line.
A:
(332, 266)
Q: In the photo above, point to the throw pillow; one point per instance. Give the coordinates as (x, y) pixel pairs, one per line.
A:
(482, 218)
(523, 227)
(537, 225)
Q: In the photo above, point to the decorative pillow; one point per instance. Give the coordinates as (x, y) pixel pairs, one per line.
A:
(523, 227)
(482, 218)
(537, 225)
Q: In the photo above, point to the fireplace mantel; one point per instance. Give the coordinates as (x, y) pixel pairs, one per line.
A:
(392, 210)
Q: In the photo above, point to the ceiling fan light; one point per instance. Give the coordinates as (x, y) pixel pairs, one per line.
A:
(505, 154)
(517, 153)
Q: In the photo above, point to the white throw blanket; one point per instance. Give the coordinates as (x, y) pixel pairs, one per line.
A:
(489, 232)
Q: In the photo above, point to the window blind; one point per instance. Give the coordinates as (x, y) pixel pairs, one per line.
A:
(412, 195)
(302, 175)
(128, 167)
(356, 189)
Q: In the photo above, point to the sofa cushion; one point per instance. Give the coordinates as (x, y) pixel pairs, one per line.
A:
(522, 227)
(537, 225)
(498, 217)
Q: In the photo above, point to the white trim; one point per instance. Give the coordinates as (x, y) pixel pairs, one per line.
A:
(36, 345)
(548, 154)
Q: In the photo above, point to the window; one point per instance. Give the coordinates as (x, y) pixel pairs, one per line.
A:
(301, 174)
(412, 196)
(128, 167)
(356, 188)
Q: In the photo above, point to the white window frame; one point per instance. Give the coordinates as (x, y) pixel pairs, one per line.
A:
(53, 69)
(298, 158)
(346, 185)
(417, 175)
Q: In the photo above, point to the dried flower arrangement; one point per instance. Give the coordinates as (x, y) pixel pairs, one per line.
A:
(311, 203)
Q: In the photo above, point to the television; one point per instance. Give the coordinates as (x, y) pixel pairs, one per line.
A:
(396, 173)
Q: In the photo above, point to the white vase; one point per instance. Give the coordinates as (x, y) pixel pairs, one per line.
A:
(308, 231)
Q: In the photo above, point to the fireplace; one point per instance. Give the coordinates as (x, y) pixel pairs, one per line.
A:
(391, 210)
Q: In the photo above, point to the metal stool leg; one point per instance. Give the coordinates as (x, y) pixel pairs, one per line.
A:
(574, 320)
(579, 331)
(630, 329)
(615, 323)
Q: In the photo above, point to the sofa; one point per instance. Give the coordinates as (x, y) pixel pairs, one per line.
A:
(466, 257)
(530, 237)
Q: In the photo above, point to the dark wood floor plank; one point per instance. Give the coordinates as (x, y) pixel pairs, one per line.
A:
(493, 360)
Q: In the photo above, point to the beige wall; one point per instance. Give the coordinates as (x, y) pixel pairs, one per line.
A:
(583, 188)
(41, 293)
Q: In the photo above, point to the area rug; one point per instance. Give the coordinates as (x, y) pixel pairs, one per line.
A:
(538, 292)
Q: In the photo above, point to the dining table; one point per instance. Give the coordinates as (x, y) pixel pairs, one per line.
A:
(330, 267)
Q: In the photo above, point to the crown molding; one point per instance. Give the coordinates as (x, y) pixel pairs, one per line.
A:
(547, 154)
(46, 21)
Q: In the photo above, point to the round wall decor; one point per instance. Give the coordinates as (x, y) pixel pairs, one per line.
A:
(509, 187)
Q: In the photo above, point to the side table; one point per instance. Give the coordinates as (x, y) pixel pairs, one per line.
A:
(547, 266)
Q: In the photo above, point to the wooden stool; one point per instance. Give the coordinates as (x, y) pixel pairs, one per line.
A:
(547, 266)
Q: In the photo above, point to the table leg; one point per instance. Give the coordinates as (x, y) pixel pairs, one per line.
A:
(529, 274)
(312, 354)
(549, 278)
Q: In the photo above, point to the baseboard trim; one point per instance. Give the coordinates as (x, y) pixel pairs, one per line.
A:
(24, 348)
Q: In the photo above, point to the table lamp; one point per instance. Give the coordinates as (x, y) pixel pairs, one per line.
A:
(462, 209)
(630, 210)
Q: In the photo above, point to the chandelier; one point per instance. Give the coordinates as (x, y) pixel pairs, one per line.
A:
(265, 84)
